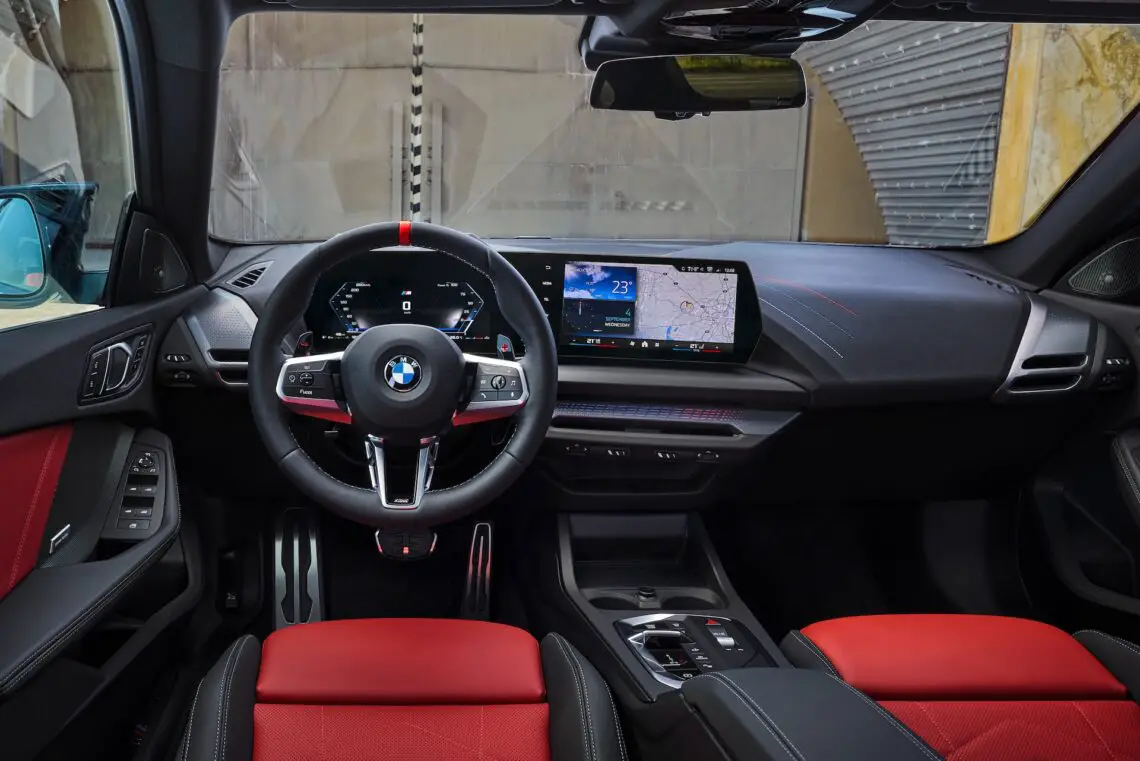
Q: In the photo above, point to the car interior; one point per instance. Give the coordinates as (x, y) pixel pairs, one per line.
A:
(544, 379)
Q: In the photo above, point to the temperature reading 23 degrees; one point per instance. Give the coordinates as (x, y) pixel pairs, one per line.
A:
(662, 307)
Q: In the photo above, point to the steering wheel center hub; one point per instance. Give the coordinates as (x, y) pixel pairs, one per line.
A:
(403, 382)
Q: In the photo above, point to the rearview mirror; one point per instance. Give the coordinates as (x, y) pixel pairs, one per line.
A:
(681, 86)
(23, 256)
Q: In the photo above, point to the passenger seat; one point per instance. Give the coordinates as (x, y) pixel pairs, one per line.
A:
(987, 688)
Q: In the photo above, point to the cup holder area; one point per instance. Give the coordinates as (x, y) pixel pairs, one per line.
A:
(648, 598)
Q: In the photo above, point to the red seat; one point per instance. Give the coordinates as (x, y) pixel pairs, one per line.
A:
(374, 690)
(977, 688)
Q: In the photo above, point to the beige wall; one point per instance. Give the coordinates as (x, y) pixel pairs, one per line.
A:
(839, 203)
(1069, 87)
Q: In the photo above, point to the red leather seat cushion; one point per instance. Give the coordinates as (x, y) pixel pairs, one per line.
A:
(394, 733)
(400, 662)
(961, 657)
(1062, 730)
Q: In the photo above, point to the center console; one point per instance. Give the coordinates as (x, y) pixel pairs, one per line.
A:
(652, 587)
(709, 682)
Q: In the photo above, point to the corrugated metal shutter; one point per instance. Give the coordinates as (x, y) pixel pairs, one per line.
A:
(923, 102)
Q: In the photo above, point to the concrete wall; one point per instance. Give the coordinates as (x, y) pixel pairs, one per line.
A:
(1069, 87)
(312, 138)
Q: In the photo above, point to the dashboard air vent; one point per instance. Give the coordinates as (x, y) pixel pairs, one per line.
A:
(1055, 362)
(1050, 382)
(250, 275)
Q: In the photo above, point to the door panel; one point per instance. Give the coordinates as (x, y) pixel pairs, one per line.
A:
(63, 594)
(30, 465)
(43, 366)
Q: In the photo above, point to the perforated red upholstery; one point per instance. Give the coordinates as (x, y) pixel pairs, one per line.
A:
(1062, 730)
(399, 733)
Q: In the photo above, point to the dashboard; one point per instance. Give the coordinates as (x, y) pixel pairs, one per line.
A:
(896, 371)
(692, 310)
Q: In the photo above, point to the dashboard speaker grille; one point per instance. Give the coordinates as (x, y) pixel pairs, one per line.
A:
(1113, 273)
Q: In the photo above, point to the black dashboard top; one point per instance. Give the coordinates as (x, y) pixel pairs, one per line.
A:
(847, 323)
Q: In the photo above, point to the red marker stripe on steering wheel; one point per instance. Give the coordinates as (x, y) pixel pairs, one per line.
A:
(405, 233)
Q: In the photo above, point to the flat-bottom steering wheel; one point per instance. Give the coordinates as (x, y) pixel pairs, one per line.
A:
(404, 386)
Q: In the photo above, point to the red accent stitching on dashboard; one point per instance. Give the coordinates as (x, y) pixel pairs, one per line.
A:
(813, 292)
(405, 233)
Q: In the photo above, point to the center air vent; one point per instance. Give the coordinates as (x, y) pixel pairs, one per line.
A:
(249, 277)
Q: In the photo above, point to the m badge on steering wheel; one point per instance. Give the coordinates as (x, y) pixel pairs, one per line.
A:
(402, 373)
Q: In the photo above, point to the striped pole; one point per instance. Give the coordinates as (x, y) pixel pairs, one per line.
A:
(417, 141)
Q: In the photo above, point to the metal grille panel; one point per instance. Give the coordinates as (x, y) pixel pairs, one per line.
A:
(923, 103)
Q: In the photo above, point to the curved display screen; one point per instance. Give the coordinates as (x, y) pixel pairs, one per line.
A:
(688, 308)
(662, 309)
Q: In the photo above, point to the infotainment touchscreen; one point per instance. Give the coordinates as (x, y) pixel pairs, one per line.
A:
(682, 308)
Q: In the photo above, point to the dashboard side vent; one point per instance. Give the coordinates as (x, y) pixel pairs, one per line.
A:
(229, 355)
(249, 277)
(1054, 382)
(1055, 362)
(992, 282)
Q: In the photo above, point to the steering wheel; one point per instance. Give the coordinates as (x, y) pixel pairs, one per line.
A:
(404, 385)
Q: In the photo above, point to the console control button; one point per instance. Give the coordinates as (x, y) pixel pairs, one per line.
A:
(134, 524)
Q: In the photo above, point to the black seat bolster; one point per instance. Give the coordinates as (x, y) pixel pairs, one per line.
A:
(1120, 657)
(797, 715)
(805, 654)
(220, 724)
(584, 722)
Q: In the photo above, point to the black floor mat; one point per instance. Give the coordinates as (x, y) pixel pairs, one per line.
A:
(361, 583)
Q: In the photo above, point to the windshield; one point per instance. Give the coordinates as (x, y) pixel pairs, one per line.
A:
(915, 133)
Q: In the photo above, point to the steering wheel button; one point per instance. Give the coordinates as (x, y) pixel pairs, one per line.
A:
(513, 384)
(305, 379)
(486, 396)
(512, 396)
(498, 382)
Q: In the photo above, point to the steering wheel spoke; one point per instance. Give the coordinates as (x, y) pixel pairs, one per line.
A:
(310, 386)
(500, 390)
(397, 491)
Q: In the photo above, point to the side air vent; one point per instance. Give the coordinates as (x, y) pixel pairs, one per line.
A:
(1056, 362)
(1054, 354)
(249, 277)
(1045, 382)
(229, 355)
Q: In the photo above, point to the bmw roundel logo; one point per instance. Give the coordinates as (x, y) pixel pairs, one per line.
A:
(402, 373)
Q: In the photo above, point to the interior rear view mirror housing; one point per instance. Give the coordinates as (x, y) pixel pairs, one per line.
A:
(680, 86)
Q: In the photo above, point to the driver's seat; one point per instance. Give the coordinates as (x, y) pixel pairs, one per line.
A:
(388, 689)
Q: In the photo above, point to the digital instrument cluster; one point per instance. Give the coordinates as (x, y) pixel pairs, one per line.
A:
(666, 309)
